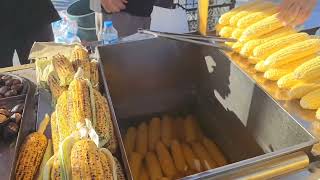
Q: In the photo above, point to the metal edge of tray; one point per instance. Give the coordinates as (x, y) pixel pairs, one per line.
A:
(27, 123)
(115, 121)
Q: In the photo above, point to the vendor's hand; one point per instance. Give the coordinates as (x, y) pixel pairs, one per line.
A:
(113, 6)
(296, 12)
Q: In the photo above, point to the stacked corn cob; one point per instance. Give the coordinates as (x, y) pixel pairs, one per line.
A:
(160, 148)
(279, 52)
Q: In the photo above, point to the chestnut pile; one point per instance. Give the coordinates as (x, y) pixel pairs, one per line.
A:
(10, 122)
(10, 86)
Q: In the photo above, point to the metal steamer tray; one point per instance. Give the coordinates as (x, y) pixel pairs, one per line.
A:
(259, 137)
(9, 152)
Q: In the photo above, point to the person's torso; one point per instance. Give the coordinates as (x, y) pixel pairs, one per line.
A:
(140, 7)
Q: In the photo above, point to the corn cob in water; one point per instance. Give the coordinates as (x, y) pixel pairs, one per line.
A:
(214, 151)
(166, 161)
(154, 133)
(142, 139)
(144, 174)
(130, 140)
(178, 158)
(166, 130)
(153, 166)
(31, 152)
(64, 69)
(135, 162)
(206, 161)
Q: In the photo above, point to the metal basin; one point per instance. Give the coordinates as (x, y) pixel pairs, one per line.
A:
(150, 77)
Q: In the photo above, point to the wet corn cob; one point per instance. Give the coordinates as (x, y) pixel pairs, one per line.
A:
(54, 85)
(130, 140)
(166, 161)
(275, 74)
(301, 89)
(255, 17)
(179, 132)
(260, 67)
(31, 152)
(103, 125)
(270, 47)
(193, 162)
(142, 139)
(54, 132)
(293, 52)
(153, 166)
(94, 74)
(224, 19)
(214, 151)
(86, 161)
(135, 162)
(64, 69)
(262, 27)
(144, 174)
(311, 100)
(79, 103)
(62, 120)
(167, 130)
(287, 81)
(226, 32)
(236, 33)
(178, 158)
(308, 70)
(192, 130)
(206, 161)
(154, 132)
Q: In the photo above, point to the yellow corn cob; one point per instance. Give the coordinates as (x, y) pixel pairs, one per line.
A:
(270, 47)
(258, 8)
(153, 166)
(165, 159)
(154, 132)
(54, 132)
(94, 73)
(284, 31)
(103, 125)
(64, 69)
(54, 85)
(178, 158)
(308, 70)
(287, 81)
(31, 152)
(293, 52)
(218, 28)
(142, 139)
(130, 140)
(237, 33)
(311, 100)
(144, 174)
(191, 159)
(275, 74)
(226, 32)
(255, 17)
(55, 170)
(135, 162)
(237, 46)
(178, 131)
(262, 27)
(192, 130)
(260, 67)
(108, 163)
(318, 114)
(203, 155)
(224, 19)
(79, 53)
(84, 64)
(166, 130)
(85, 161)
(79, 104)
(120, 172)
(62, 119)
(253, 60)
(214, 151)
(229, 44)
(301, 89)
(248, 47)
(47, 155)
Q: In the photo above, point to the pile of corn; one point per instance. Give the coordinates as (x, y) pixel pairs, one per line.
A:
(281, 53)
(70, 154)
(170, 148)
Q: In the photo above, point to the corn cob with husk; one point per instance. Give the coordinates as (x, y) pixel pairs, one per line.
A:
(293, 52)
(255, 17)
(287, 81)
(264, 50)
(311, 100)
(54, 132)
(54, 85)
(80, 59)
(47, 155)
(308, 70)
(64, 69)
(225, 18)
(94, 74)
(103, 125)
(62, 113)
(31, 152)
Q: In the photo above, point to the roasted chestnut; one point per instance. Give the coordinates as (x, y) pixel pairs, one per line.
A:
(4, 89)
(17, 108)
(9, 82)
(16, 117)
(10, 131)
(5, 112)
(17, 87)
(10, 93)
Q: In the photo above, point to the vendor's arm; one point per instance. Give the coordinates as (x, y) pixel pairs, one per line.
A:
(113, 6)
(296, 12)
